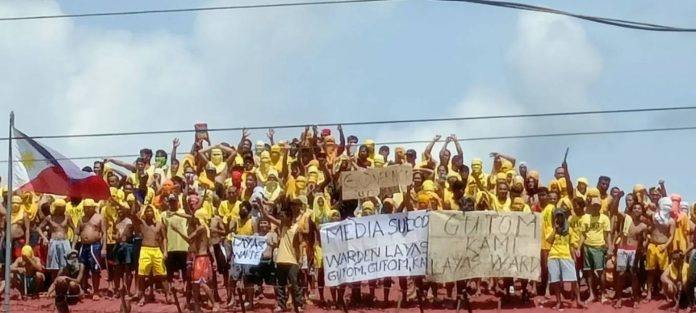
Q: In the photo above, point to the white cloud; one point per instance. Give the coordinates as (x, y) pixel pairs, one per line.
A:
(553, 66)
(60, 76)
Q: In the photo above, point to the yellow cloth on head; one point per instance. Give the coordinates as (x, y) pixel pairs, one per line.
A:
(30, 205)
(315, 175)
(320, 213)
(565, 203)
(518, 205)
(300, 187)
(27, 251)
(265, 167)
(506, 166)
(203, 217)
(18, 213)
(216, 159)
(370, 144)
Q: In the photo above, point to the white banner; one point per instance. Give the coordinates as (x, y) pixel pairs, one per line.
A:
(248, 249)
(376, 246)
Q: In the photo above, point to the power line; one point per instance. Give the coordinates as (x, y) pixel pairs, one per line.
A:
(547, 135)
(601, 20)
(363, 123)
(511, 5)
(203, 9)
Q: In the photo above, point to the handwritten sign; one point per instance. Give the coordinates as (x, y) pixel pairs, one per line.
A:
(375, 181)
(373, 247)
(248, 249)
(483, 244)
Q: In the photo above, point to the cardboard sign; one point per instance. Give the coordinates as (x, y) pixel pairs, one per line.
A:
(480, 244)
(375, 181)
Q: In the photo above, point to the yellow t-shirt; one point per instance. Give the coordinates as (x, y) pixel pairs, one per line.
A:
(574, 229)
(606, 200)
(547, 225)
(174, 241)
(560, 248)
(286, 249)
(246, 229)
(594, 227)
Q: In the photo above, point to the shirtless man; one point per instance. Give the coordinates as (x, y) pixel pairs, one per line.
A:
(152, 253)
(27, 276)
(123, 252)
(58, 247)
(632, 237)
(198, 237)
(92, 230)
(19, 231)
(661, 236)
(265, 271)
(218, 231)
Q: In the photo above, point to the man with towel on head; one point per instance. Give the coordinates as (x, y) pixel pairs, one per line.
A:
(661, 237)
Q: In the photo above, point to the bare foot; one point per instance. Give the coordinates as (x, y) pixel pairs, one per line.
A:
(590, 300)
(141, 302)
(580, 305)
(617, 304)
(558, 306)
(232, 303)
(636, 305)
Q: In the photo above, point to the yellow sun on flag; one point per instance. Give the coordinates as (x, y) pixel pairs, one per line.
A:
(28, 159)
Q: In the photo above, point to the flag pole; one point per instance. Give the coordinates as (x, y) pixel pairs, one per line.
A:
(8, 218)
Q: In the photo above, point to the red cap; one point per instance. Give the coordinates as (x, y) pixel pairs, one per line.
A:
(326, 132)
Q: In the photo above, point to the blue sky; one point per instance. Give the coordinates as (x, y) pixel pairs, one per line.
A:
(359, 62)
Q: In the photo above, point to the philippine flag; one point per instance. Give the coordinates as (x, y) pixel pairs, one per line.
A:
(38, 168)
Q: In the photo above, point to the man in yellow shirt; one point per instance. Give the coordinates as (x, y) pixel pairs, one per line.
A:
(674, 278)
(561, 266)
(293, 225)
(603, 186)
(547, 226)
(595, 228)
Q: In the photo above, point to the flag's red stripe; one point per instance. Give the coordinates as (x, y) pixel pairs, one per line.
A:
(53, 180)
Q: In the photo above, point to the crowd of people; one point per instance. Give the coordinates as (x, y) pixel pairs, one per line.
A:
(170, 223)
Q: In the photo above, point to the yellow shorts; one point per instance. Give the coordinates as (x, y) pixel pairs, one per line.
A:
(151, 261)
(656, 260)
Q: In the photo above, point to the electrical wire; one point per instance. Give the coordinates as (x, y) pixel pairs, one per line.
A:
(363, 123)
(546, 135)
(203, 9)
(602, 20)
(511, 5)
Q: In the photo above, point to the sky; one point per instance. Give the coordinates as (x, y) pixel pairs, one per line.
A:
(360, 62)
